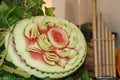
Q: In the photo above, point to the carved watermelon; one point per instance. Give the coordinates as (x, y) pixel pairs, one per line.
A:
(58, 37)
(46, 46)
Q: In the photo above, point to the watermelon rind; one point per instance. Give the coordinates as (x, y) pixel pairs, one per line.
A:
(36, 67)
(13, 57)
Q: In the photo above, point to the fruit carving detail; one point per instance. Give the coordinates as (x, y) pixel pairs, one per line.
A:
(51, 46)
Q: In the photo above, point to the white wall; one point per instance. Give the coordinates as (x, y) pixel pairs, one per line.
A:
(59, 8)
(85, 11)
(72, 11)
(76, 11)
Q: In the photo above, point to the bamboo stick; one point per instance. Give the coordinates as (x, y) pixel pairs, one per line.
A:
(103, 47)
(107, 52)
(113, 51)
(111, 56)
(107, 65)
(94, 36)
(99, 44)
(110, 53)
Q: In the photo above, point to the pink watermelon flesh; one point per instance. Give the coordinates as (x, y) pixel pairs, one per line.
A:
(58, 36)
(37, 56)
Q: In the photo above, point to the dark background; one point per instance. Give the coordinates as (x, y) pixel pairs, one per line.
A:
(0, 1)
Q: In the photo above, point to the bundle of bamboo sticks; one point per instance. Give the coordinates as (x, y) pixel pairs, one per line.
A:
(104, 46)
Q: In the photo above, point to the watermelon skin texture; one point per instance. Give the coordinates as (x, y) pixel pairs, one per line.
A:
(40, 53)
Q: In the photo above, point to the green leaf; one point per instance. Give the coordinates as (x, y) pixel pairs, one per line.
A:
(19, 11)
(84, 75)
(5, 7)
(18, 2)
(1, 13)
(13, 19)
(8, 14)
(69, 78)
(8, 76)
(2, 36)
(34, 8)
(32, 2)
(1, 68)
(47, 78)
(2, 42)
(2, 22)
(41, 2)
(49, 11)
(30, 10)
(2, 48)
(2, 57)
(40, 11)
(29, 14)
(31, 7)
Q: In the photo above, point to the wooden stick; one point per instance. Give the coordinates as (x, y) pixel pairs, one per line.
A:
(94, 36)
